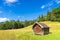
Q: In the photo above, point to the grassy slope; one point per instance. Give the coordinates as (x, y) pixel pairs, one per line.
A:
(27, 33)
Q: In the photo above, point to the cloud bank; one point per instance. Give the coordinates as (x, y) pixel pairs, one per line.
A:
(3, 19)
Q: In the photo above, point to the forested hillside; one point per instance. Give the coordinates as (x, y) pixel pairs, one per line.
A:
(53, 15)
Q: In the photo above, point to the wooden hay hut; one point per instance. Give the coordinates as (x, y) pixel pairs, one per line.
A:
(40, 28)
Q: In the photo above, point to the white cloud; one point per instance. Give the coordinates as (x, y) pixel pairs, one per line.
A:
(3, 19)
(11, 1)
(57, 1)
(43, 6)
(48, 4)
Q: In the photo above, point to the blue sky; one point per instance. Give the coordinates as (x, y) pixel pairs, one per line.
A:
(25, 9)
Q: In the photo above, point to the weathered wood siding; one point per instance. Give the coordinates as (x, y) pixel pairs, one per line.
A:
(38, 30)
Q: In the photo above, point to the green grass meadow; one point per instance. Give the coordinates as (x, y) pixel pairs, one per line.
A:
(28, 34)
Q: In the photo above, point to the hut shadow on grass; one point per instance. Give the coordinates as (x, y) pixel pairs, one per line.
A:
(48, 33)
(43, 34)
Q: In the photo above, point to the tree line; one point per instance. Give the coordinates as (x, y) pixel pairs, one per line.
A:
(12, 24)
(53, 15)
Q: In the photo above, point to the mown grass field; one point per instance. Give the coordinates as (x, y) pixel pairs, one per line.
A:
(28, 34)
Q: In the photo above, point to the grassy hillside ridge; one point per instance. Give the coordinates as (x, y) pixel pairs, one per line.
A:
(28, 34)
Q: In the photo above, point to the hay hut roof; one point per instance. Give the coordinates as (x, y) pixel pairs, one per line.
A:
(42, 25)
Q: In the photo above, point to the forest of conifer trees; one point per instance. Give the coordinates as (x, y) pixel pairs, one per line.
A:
(53, 15)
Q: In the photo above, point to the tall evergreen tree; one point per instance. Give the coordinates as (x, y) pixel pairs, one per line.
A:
(48, 16)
